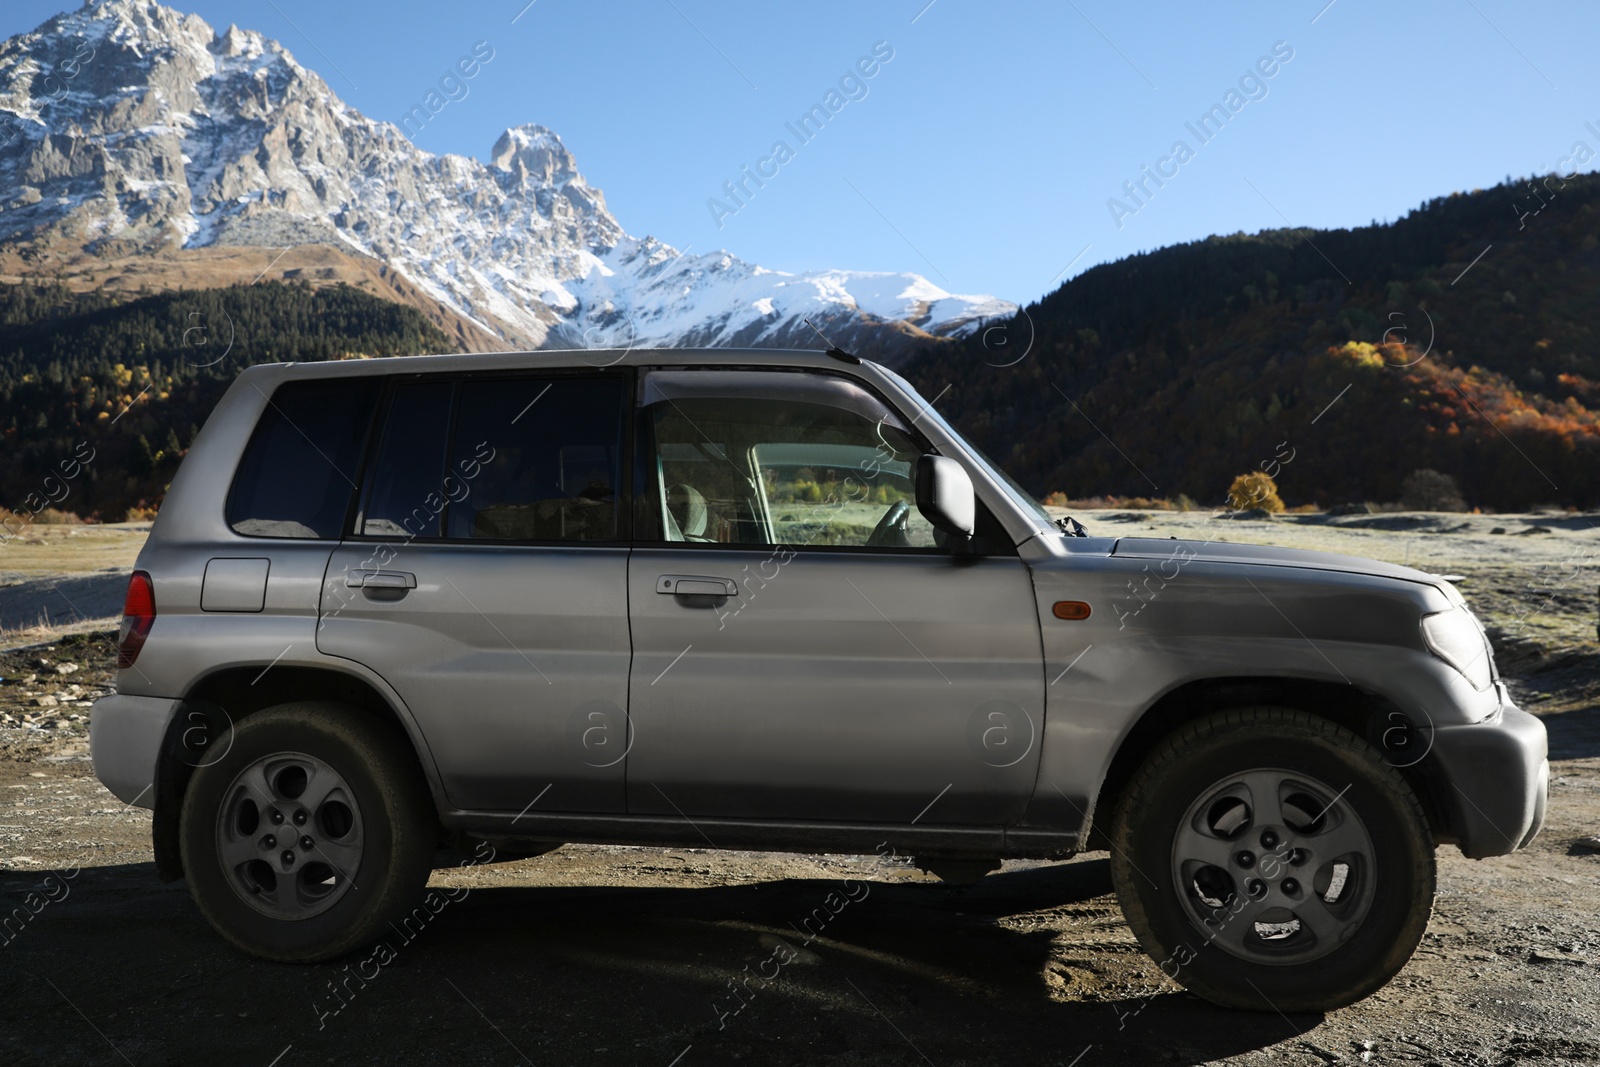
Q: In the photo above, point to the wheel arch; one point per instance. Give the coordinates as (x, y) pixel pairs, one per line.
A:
(242, 691)
(1365, 713)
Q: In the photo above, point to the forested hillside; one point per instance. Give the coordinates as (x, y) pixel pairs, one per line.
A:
(1341, 360)
(1205, 360)
(129, 382)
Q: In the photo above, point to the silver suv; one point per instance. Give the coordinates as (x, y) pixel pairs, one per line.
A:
(774, 601)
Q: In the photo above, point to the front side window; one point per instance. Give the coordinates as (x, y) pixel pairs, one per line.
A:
(769, 471)
(298, 474)
(543, 458)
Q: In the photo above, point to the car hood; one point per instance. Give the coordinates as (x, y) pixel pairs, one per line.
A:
(1267, 556)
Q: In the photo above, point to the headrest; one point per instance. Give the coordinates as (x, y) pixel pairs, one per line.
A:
(688, 509)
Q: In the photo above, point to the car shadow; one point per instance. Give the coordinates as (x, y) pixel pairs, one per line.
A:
(59, 599)
(1029, 965)
(1573, 734)
(1565, 694)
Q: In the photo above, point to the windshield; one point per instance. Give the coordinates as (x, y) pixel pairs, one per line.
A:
(1015, 492)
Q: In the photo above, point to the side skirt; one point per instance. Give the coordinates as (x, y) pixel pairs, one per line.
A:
(763, 835)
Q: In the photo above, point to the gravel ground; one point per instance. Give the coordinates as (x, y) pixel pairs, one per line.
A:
(48, 689)
(610, 955)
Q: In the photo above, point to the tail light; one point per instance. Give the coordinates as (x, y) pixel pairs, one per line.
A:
(138, 615)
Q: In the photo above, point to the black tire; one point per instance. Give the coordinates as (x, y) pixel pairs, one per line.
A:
(379, 818)
(1371, 916)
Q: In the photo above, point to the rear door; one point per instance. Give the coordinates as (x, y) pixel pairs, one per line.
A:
(485, 580)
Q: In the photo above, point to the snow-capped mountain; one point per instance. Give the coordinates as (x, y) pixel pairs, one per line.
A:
(129, 128)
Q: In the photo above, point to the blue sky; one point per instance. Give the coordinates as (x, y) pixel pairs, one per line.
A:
(984, 152)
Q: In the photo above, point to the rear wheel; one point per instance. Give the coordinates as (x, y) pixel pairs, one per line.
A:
(1270, 859)
(309, 835)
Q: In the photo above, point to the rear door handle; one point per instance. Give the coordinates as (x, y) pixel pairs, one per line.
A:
(381, 580)
(695, 585)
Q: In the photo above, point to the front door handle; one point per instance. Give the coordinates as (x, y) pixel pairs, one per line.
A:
(381, 580)
(696, 585)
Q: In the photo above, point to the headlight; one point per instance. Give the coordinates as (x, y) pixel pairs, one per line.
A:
(1456, 638)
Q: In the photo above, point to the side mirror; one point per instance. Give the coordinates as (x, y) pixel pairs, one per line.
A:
(944, 495)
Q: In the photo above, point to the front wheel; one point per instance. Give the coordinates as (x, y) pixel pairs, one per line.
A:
(310, 834)
(1269, 859)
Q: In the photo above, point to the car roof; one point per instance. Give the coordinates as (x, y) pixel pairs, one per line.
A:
(595, 358)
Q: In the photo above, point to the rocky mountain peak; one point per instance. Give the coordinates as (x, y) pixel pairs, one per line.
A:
(236, 43)
(137, 25)
(128, 126)
(534, 153)
(141, 16)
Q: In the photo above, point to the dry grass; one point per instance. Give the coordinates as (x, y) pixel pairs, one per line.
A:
(68, 549)
(48, 633)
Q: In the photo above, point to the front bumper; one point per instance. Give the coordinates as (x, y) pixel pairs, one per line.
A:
(125, 735)
(1495, 780)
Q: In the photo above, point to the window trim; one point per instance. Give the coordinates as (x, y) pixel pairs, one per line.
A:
(452, 423)
(356, 515)
(369, 472)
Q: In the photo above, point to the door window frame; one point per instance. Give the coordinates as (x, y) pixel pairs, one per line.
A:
(648, 494)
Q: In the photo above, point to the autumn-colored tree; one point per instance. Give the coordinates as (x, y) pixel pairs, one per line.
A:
(1254, 490)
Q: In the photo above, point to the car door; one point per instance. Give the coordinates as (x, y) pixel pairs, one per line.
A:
(805, 647)
(485, 580)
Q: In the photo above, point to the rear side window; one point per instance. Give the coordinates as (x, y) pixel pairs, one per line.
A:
(298, 474)
(544, 458)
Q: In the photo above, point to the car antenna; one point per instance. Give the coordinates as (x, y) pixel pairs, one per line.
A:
(833, 350)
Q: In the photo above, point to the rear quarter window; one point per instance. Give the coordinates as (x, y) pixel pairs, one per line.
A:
(299, 471)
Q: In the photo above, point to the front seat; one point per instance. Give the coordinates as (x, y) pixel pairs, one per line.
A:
(686, 514)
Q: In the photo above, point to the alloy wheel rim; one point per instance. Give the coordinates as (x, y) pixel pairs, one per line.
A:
(290, 837)
(1274, 866)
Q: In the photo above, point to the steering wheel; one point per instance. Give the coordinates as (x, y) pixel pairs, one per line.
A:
(891, 529)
